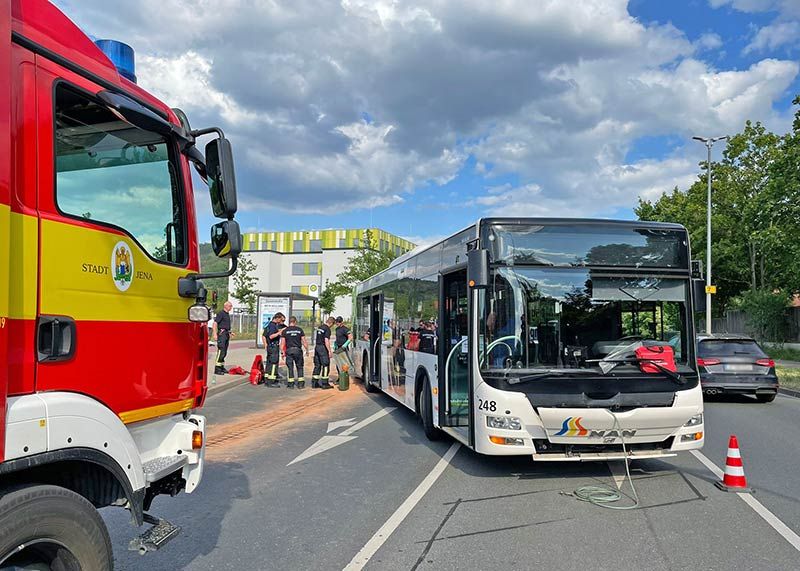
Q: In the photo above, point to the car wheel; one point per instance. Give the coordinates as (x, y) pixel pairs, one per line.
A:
(766, 397)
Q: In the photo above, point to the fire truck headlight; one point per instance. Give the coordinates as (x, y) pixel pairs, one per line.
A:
(199, 313)
(695, 420)
(504, 422)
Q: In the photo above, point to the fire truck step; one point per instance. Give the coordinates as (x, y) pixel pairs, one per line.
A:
(156, 537)
(157, 468)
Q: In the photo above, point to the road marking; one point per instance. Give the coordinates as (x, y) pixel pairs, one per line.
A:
(371, 548)
(340, 423)
(617, 469)
(369, 420)
(758, 507)
(333, 440)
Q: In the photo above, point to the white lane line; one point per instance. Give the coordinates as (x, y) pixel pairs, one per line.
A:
(758, 507)
(387, 529)
(369, 420)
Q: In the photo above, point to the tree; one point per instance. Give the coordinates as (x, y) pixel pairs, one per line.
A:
(755, 235)
(244, 283)
(365, 263)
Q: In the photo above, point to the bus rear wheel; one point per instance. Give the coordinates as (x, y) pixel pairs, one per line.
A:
(48, 527)
(426, 412)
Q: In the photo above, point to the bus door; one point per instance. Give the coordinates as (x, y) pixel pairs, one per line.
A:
(376, 301)
(388, 335)
(454, 400)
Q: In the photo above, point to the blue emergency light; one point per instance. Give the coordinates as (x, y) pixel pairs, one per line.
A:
(121, 55)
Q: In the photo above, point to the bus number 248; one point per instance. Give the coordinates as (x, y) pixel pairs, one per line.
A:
(489, 405)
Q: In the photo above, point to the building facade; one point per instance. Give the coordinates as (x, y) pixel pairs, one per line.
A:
(302, 261)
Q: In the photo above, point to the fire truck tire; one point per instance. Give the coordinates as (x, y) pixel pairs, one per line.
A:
(426, 412)
(44, 526)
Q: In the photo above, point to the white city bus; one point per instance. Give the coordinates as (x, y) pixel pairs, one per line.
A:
(536, 337)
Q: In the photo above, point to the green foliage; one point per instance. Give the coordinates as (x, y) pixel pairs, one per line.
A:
(789, 378)
(766, 314)
(784, 353)
(244, 283)
(755, 208)
(365, 263)
(209, 263)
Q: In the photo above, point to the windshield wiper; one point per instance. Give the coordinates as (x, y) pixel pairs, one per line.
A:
(546, 374)
(677, 377)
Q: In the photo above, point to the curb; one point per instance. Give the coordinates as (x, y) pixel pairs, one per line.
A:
(228, 385)
(789, 392)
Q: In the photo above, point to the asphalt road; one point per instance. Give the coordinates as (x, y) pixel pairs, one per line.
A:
(255, 510)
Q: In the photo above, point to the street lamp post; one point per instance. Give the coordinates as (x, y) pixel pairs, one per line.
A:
(708, 142)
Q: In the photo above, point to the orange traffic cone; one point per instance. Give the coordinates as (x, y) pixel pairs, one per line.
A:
(734, 480)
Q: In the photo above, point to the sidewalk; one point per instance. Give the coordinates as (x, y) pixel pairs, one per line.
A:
(242, 353)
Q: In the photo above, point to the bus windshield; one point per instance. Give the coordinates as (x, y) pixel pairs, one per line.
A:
(588, 245)
(535, 318)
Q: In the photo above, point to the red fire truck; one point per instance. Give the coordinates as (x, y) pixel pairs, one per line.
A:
(103, 343)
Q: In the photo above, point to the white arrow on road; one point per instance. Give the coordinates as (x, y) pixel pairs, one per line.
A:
(340, 423)
(333, 440)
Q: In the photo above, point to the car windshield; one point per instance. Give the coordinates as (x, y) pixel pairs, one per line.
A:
(535, 318)
(729, 348)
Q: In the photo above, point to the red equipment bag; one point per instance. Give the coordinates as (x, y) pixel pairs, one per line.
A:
(660, 354)
(257, 370)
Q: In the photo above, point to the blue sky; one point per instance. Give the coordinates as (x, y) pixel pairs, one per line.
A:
(423, 116)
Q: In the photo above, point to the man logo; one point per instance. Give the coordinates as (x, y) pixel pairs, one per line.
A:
(122, 266)
(572, 427)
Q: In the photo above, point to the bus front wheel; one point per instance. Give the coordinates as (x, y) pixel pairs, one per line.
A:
(426, 412)
(49, 527)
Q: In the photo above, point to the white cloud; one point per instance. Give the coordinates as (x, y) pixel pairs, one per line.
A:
(774, 36)
(709, 41)
(556, 96)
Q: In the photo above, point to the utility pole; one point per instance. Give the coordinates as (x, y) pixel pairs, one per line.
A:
(708, 142)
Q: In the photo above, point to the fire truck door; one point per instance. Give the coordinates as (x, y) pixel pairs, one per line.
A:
(114, 239)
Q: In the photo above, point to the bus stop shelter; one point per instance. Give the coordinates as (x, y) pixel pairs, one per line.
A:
(302, 306)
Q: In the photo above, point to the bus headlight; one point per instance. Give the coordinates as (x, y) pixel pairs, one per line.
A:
(504, 422)
(695, 420)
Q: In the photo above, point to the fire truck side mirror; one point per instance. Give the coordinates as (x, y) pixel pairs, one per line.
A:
(221, 178)
(226, 239)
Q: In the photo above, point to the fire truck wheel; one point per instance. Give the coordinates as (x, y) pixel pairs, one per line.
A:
(426, 412)
(48, 527)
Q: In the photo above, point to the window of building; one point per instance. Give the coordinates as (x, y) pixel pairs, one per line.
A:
(297, 246)
(314, 269)
(384, 245)
(110, 172)
(315, 246)
(343, 242)
(274, 246)
(298, 269)
(355, 242)
(252, 244)
(297, 289)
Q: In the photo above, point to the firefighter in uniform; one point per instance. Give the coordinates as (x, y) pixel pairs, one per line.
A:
(271, 337)
(322, 355)
(221, 332)
(295, 346)
(427, 338)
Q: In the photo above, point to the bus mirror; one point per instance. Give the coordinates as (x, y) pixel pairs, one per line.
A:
(226, 239)
(697, 269)
(699, 295)
(478, 268)
(221, 178)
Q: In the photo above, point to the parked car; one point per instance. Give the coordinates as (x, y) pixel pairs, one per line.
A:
(735, 364)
